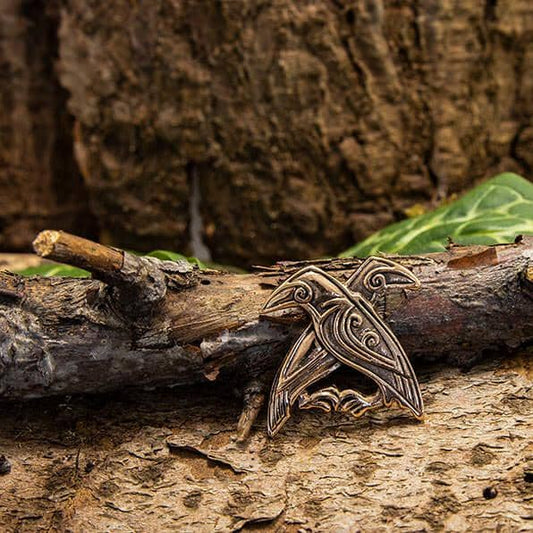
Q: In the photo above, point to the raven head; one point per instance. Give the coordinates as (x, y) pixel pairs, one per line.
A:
(306, 288)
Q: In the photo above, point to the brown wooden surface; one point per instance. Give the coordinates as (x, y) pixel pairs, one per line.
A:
(76, 251)
(293, 127)
(40, 182)
(168, 459)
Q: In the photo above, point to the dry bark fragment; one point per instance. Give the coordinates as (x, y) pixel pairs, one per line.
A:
(114, 462)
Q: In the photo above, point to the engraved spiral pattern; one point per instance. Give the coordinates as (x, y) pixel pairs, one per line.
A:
(375, 281)
(303, 294)
(355, 320)
(370, 338)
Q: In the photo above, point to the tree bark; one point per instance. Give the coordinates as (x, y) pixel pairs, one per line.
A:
(302, 126)
(308, 125)
(146, 322)
(40, 183)
(167, 460)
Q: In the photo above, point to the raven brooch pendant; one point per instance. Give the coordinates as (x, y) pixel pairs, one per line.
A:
(345, 328)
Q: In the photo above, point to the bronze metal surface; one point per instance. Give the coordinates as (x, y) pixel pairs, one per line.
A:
(344, 328)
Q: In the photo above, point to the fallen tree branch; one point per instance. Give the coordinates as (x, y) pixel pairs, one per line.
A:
(145, 322)
(139, 282)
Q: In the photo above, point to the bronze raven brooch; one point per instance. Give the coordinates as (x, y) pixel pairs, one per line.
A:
(345, 329)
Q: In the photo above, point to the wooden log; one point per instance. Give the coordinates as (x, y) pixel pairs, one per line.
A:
(65, 336)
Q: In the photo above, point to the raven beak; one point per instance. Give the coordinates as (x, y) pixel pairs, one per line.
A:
(280, 299)
(403, 277)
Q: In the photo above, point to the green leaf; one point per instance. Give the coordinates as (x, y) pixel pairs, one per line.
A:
(494, 212)
(53, 269)
(166, 255)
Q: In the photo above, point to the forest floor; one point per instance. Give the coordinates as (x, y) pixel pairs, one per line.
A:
(166, 460)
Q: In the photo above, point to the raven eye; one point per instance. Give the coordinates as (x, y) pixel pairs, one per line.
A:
(375, 281)
(302, 294)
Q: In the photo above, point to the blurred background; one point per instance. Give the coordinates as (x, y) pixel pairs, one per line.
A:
(244, 132)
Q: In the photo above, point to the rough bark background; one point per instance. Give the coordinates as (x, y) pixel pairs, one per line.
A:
(40, 184)
(306, 125)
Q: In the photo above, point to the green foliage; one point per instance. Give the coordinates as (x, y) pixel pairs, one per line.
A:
(53, 269)
(494, 212)
(165, 255)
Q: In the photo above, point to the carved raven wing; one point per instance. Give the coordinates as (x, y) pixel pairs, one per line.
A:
(353, 333)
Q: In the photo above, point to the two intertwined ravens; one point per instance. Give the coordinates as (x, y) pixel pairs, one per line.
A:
(345, 328)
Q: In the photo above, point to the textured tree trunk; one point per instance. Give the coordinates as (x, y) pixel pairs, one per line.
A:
(307, 124)
(304, 126)
(40, 185)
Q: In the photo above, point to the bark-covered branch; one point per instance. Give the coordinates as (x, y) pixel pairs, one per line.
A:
(154, 322)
